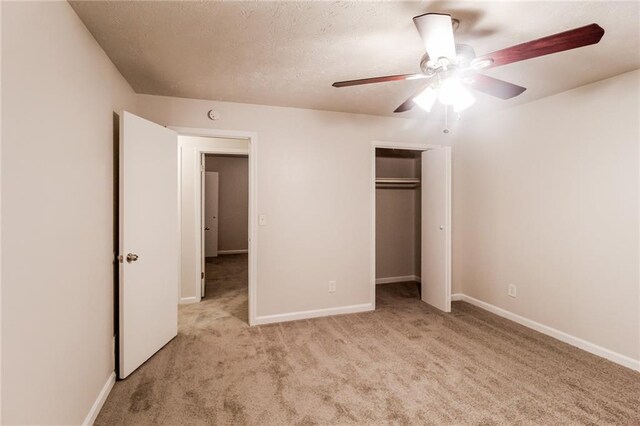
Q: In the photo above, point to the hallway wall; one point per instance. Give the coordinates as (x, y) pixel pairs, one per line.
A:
(233, 198)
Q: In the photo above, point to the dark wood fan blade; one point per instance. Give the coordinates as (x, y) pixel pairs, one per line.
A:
(494, 87)
(408, 104)
(572, 39)
(384, 79)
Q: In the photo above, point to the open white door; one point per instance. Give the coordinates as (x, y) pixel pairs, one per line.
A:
(436, 228)
(148, 305)
(211, 214)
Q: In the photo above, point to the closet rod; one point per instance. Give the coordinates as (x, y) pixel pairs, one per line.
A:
(391, 186)
(398, 180)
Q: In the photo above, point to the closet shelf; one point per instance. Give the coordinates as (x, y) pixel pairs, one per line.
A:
(397, 182)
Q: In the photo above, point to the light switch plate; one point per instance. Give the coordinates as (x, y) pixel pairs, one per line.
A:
(262, 220)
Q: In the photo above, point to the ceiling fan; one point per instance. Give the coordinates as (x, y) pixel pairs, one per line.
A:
(451, 68)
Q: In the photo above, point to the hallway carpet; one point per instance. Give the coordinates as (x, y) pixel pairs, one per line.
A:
(405, 363)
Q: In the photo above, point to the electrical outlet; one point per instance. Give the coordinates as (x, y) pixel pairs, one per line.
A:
(332, 286)
(511, 290)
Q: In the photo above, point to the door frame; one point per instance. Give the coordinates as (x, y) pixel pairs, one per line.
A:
(252, 153)
(372, 182)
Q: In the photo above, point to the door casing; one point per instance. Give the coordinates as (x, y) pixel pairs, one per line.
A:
(252, 153)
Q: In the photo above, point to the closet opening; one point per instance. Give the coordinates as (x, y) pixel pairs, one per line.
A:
(411, 226)
(398, 223)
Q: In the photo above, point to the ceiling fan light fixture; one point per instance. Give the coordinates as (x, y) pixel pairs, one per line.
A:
(426, 98)
(464, 102)
(452, 93)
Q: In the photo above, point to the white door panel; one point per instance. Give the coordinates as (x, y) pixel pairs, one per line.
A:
(148, 311)
(211, 214)
(436, 228)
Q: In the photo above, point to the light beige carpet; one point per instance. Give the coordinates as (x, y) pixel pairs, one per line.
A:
(404, 363)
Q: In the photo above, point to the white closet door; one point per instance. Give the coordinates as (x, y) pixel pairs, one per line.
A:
(149, 234)
(436, 228)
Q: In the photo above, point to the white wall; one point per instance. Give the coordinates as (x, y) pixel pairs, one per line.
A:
(59, 94)
(314, 185)
(188, 184)
(546, 197)
(233, 197)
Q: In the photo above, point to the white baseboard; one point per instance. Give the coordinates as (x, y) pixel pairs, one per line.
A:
(233, 251)
(455, 297)
(400, 279)
(623, 360)
(99, 402)
(188, 300)
(269, 319)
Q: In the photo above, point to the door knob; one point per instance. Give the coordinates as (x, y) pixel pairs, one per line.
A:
(132, 257)
(207, 228)
(441, 228)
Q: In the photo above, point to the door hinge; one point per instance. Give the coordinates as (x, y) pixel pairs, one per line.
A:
(202, 275)
(202, 167)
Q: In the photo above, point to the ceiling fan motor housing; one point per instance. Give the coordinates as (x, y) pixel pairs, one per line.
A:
(464, 56)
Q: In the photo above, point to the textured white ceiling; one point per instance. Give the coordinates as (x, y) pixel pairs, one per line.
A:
(289, 53)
